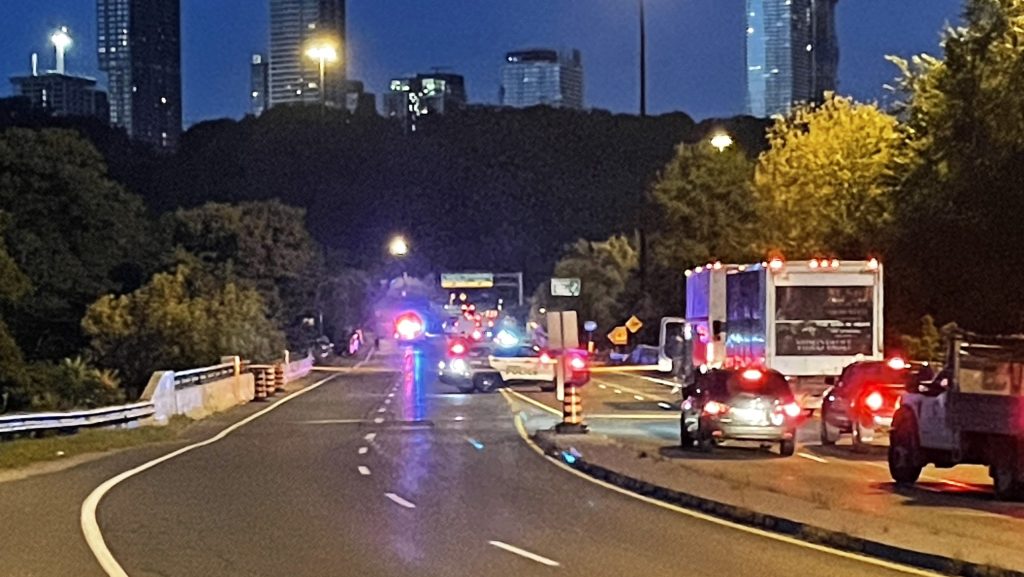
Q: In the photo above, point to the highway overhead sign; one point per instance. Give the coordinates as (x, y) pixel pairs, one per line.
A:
(634, 324)
(467, 280)
(566, 287)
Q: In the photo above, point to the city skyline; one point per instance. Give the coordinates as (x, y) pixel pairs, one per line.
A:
(696, 57)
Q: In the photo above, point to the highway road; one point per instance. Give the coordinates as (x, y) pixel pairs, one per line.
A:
(393, 474)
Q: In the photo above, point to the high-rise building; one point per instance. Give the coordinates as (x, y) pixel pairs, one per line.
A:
(259, 84)
(412, 97)
(542, 77)
(139, 44)
(294, 76)
(792, 54)
(63, 94)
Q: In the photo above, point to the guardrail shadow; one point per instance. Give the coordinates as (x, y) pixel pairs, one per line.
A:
(956, 494)
(731, 452)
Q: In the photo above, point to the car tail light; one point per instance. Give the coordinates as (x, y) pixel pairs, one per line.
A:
(714, 408)
(874, 401)
(792, 410)
(897, 364)
(752, 375)
(457, 349)
(577, 363)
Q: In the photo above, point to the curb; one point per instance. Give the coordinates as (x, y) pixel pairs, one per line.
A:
(775, 524)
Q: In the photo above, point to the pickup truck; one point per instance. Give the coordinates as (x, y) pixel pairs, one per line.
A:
(972, 412)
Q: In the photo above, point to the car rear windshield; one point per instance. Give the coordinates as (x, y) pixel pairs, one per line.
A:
(725, 384)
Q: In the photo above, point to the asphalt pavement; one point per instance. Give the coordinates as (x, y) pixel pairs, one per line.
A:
(382, 473)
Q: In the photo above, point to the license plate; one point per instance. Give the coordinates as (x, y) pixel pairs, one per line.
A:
(749, 416)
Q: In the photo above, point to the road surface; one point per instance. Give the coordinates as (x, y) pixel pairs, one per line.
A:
(392, 474)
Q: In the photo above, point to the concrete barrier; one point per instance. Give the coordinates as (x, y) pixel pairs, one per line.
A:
(173, 394)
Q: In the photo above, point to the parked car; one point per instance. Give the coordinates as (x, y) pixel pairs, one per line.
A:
(865, 398)
(749, 404)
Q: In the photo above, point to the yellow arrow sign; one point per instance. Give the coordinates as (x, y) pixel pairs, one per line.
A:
(634, 324)
(619, 336)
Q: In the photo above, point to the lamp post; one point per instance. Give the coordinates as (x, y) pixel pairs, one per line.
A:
(641, 233)
(323, 52)
(61, 42)
(721, 141)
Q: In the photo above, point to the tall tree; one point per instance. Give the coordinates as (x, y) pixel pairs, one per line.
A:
(73, 232)
(960, 197)
(824, 185)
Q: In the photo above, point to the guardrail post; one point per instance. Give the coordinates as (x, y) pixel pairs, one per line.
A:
(238, 365)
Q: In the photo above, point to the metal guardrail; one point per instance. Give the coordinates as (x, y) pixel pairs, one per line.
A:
(196, 377)
(28, 422)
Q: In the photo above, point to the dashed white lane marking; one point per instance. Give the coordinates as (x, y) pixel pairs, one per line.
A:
(665, 406)
(90, 525)
(382, 409)
(391, 395)
(379, 420)
(649, 379)
(638, 397)
(400, 501)
(364, 471)
(600, 386)
(811, 457)
(370, 437)
(524, 553)
(618, 391)
(387, 401)
(363, 450)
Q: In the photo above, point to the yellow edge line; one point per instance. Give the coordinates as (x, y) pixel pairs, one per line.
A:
(533, 402)
(521, 428)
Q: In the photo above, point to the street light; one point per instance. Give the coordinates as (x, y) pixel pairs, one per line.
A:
(398, 247)
(61, 42)
(721, 141)
(323, 51)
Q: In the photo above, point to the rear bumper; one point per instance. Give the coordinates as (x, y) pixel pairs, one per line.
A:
(752, 432)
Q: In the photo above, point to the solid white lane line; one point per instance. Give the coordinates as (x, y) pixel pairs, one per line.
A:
(363, 450)
(525, 436)
(400, 501)
(370, 437)
(90, 525)
(364, 471)
(811, 457)
(649, 379)
(533, 402)
(524, 553)
(379, 420)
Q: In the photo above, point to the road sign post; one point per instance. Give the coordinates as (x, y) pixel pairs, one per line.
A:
(563, 335)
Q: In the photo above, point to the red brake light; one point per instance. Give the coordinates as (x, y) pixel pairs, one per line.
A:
(792, 410)
(577, 363)
(897, 363)
(457, 349)
(874, 401)
(714, 408)
(752, 375)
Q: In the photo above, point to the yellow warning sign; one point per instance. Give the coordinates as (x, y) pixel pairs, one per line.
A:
(619, 336)
(634, 324)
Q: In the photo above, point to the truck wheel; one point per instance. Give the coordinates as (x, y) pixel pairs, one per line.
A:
(829, 432)
(487, 383)
(1007, 481)
(548, 387)
(787, 447)
(905, 462)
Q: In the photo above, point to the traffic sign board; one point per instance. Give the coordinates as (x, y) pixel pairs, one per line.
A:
(634, 324)
(619, 336)
(467, 280)
(566, 287)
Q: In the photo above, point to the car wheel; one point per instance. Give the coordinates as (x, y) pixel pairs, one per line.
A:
(705, 443)
(905, 459)
(859, 444)
(787, 447)
(487, 383)
(548, 387)
(829, 432)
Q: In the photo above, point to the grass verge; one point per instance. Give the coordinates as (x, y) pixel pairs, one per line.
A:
(24, 452)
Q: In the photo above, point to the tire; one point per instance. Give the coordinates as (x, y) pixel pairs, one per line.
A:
(905, 458)
(1006, 482)
(705, 443)
(487, 383)
(829, 432)
(787, 447)
(548, 387)
(859, 446)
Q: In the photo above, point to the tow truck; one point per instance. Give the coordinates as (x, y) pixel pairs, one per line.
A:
(972, 412)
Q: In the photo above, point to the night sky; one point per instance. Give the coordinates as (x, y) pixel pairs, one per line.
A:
(695, 60)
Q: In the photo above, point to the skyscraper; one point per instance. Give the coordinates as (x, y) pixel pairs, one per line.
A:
(294, 76)
(259, 84)
(542, 77)
(792, 54)
(435, 93)
(139, 44)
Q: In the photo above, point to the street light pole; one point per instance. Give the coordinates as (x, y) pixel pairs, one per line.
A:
(641, 234)
(323, 80)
